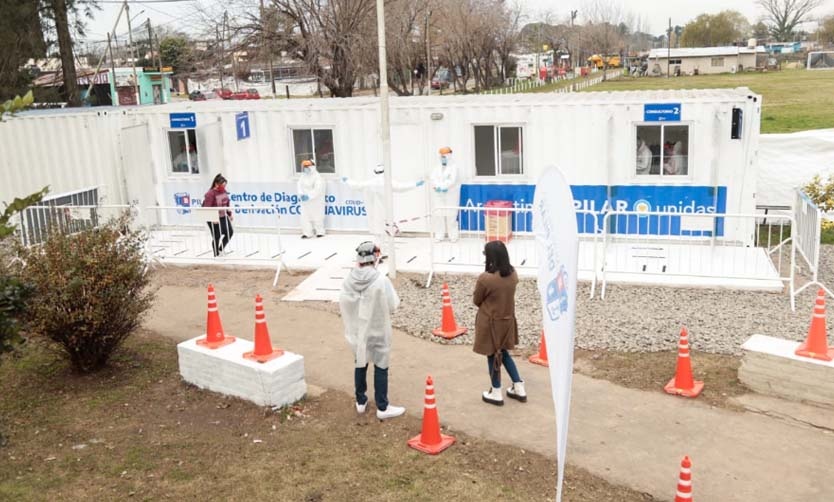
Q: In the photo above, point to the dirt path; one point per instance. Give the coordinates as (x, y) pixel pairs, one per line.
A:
(629, 437)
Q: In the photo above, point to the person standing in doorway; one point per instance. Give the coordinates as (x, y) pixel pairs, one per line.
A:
(311, 191)
(221, 230)
(366, 302)
(445, 193)
(374, 194)
(496, 330)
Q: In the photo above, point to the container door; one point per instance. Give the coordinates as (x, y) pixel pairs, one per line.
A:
(138, 171)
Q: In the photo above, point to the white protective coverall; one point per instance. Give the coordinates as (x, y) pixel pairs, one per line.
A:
(367, 301)
(373, 190)
(312, 186)
(445, 192)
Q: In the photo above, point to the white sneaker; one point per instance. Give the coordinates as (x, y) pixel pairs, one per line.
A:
(516, 391)
(360, 408)
(493, 396)
(390, 412)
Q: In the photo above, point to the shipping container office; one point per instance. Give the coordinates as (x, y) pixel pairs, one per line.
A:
(683, 151)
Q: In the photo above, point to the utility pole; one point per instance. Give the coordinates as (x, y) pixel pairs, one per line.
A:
(150, 41)
(227, 33)
(114, 98)
(132, 54)
(428, 56)
(385, 133)
(220, 44)
(669, 49)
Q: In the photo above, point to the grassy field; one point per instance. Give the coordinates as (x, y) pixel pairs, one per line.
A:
(793, 100)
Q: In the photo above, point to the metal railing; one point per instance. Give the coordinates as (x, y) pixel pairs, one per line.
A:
(513, 226)
(35, 223)
(806, 238)
(708, 245)
(186, 233)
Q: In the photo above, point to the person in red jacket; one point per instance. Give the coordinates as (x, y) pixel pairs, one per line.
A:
(221, 230)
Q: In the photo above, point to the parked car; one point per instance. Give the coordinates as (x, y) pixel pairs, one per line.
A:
(441, 79)
(252, 94)
(196, 96)
(240, 95)
(224, 93)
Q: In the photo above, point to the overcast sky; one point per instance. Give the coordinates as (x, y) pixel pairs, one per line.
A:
(656, 13)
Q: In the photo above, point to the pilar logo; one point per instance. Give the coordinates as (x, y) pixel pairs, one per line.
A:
(557, 295)
(182, 199)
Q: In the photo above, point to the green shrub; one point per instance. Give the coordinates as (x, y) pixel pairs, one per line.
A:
(821, 192)
(13, 291)
(90, 290)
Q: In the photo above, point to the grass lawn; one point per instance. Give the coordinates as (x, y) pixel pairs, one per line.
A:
(793, 100)
(135, 431)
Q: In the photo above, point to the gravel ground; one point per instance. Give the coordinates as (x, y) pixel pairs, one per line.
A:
(631, 318)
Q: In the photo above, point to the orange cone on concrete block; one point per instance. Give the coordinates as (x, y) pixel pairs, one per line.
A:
(541, 357)
(816, 343)
(215, 338)
(430, 440)
(683, 384)
(448, 327)
(684, 492)
(264, 351)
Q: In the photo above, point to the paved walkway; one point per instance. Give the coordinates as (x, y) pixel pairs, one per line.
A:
(628, 437)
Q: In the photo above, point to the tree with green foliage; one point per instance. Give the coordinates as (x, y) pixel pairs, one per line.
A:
(175, 51)
(17, 104)
(784, 16)
(13, 291)
(713, 30)
(21, 38)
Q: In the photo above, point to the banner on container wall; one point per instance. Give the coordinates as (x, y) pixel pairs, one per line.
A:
(344, 207)
(594, 198)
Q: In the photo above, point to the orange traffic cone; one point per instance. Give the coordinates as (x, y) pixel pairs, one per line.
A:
(263, 346)
(684, 492)
(541, 357)
(430, 440)
(683, 384)
(448, 327)
(215, 338)
(816, 343)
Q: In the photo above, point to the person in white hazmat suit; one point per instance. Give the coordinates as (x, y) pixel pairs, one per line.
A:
(445, 193)
(373, 189)
(311, 189)
(367, 301)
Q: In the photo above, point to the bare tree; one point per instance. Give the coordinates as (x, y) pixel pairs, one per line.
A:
(784, 16)
(336, 38)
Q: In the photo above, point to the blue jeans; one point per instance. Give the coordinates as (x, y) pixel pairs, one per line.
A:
(509, 364)
(360, 381)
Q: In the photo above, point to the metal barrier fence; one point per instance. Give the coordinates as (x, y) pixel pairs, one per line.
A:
(187, 233)
(35, 223)
(716, 246)
(806, 237)
(514, 226)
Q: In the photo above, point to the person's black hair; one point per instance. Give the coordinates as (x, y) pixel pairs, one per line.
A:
(218, 180)
(497, 259)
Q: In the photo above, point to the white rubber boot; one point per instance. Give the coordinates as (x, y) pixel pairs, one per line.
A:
(493, 396)
(516, 391)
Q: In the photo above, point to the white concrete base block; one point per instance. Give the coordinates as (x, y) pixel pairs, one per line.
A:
(769, 366)
(277, 382)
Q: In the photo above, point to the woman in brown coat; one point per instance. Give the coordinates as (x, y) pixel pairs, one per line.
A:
(496, 331)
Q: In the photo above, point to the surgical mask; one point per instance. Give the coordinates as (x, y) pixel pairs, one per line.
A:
(306, 170)
(444, 160)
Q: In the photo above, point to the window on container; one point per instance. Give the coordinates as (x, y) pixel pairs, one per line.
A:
(498, 150)
(674, 61)
(717, 62)
(662, 150)
(316, 145)
(182, 145)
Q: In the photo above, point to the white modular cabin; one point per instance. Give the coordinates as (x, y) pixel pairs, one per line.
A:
(691, 151)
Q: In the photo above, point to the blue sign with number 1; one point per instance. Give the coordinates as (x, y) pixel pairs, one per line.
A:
(662, 112)
(242, 125)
